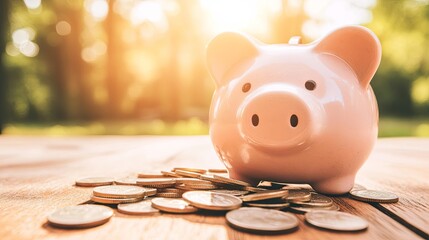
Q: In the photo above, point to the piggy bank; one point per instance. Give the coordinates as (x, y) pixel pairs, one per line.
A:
(295, 113)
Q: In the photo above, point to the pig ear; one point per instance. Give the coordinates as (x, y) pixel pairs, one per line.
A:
(226, 50)
(358, 47)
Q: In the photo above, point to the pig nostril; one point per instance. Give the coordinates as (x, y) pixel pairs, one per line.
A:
(255, 120)
(294, 120)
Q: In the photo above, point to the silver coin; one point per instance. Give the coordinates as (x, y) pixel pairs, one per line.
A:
(260, 219)
(139, 208)
(80, 216)
(333, 220)
(212, 200)
(374, 196)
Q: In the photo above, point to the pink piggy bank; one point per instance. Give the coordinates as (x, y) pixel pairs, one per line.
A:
(297, 113)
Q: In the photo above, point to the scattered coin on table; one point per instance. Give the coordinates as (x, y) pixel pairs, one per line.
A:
(374, 196)
(80, 216)
(212, 200)
(338, 221)
(186, 190)
(94, 181)
(173, 205)
(260, 219)
(139, 208)
(119, 191)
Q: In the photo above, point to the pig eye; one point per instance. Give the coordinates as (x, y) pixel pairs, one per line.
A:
(246, 87)
(310, 85)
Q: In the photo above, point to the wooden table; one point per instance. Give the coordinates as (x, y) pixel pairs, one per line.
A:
(37, 176)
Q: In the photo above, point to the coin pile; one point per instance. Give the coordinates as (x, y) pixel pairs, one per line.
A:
(268, 207)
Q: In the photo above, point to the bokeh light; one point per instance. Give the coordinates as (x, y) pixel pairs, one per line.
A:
(63, 28)
(33, 4)
(97, 8)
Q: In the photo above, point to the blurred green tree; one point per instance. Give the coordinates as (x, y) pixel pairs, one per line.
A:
(4, 26)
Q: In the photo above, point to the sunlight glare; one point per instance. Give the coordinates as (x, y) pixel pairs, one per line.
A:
(149, 11)
(33, 4)
(97, 8)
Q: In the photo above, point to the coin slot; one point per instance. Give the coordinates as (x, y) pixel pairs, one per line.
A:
(255, 120)
(310, 85)
(294, 120)
(246, 87)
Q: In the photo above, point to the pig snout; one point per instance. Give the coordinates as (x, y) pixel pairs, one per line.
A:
(281, 118)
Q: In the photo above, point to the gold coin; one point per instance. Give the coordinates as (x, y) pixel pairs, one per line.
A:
(150, 174)
(317, 200)
(170, 190)
(169, 195)
(138, 208)
(115, 200)
(254, 189)
(156, 182)
(333, 207)
(119, 191)
(187, 174)
(230, 180)
(195, 181)
(195, 170)
(94, 181)
(268, 205)
(170, 174)
(267, 194)
(126, 181)
(374, 196)
(80, 216)
(212, 200)
(338, 221)
(173, 205)
(260, 219)
(230, 192)
(298, 196)
(202, 186)
(212, 170)
(149, 191)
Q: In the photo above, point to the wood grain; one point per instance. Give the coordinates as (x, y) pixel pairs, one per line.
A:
(37, 176)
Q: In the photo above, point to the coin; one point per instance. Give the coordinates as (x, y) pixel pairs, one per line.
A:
(156, 182)
(254, 189)
(231, 192)
(317, 200)
(150, 174)
(213, 170)
(94, 181)
(138, 208)
(192, 181)
(357, 187)
(333, 220)
(212, 200)
(169, 195)
(119, 191)
(298, 196)
(374, 196)
(267, 194)
(187, 173)
(333, 207)
(170, 174)
(126, 181)
(268, 205)
(80, 216)
(230, 180)
(195, 170)
(173, 205)
(115, 200)
(170, 190)
(260, 219)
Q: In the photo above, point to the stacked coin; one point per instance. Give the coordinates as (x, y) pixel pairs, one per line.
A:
(186, 190)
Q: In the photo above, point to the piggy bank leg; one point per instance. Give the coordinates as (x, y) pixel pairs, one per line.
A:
(335, 186)
(234, 175)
